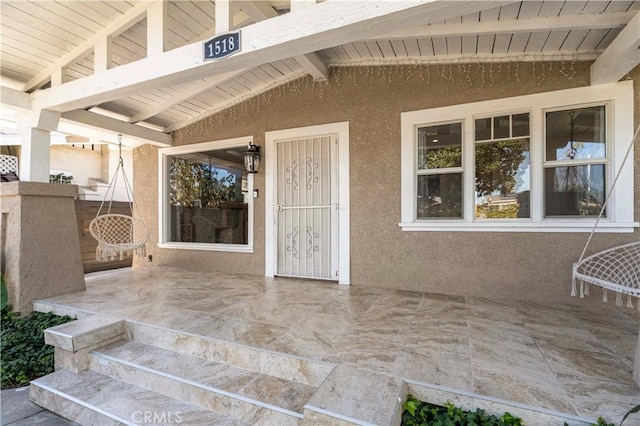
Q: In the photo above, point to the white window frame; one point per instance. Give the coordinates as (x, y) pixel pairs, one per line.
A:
(164, 225)
(620, 206)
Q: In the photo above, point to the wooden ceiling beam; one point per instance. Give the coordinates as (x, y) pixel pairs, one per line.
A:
(293, 34)
(620, 57)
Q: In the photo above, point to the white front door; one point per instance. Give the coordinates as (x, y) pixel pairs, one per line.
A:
(306, 202)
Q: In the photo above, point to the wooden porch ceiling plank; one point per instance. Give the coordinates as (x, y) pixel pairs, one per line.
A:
(82, 48)
(620, 57)
(22, 19)
(513, 25)
(285, 36)
(195, 90)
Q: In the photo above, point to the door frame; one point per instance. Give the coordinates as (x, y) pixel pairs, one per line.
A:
(341, 131)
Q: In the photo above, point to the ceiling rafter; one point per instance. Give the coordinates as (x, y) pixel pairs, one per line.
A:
(620, 57)
(184, 95)
(119, 25)
(260, 10)
(101, 123)
(527, 25)
(309, 30)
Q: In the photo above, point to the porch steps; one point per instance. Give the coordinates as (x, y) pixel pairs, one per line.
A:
(90, 398)
(246, 395)
(110, 370)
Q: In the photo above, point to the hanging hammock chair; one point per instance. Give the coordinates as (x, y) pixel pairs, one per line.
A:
(616, 269)
(118, 234)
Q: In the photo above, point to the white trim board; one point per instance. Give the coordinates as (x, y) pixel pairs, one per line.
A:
(344, 247)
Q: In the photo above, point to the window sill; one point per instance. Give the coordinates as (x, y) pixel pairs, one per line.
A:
(232, 248)
(549, 225)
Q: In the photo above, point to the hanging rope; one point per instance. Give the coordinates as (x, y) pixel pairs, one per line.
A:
(118, 234)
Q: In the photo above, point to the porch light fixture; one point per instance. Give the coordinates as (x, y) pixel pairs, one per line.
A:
(252, 158)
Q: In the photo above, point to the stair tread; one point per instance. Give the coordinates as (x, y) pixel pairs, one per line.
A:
(271, 390)
(126, 402)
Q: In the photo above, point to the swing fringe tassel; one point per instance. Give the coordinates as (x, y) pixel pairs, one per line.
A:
(105, 253)
(584, 291)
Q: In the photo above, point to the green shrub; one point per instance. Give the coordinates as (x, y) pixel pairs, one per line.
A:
(25, 356)
(418, 413)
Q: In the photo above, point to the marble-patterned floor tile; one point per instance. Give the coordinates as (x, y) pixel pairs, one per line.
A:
(531, 387)
(593, 365)
(369, 354)
(435, 367)
(357, 394)
(279, 392)
(551, 336)
(492, 309)
(482, 329)
(537, 313)
(594, 398)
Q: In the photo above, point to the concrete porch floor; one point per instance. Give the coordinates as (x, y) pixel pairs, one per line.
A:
(574, 358)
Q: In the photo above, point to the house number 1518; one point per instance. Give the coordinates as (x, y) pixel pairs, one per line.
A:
(221, 46)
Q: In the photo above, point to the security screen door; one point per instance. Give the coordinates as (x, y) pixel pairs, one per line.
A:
(306, 207)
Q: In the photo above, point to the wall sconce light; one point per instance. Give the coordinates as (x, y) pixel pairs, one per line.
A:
(252, 158)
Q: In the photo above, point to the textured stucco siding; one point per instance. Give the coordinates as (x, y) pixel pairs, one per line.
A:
(534, 266)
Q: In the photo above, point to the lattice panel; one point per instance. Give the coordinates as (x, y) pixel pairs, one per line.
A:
(8, 164)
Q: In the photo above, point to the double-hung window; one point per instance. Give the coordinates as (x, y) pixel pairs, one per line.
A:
(534, 163)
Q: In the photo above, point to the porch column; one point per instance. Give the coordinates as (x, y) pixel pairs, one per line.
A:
(35, 154)
(40, 254)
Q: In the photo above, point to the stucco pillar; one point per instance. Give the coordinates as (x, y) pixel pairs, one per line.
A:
(35, 155)
(40, 244)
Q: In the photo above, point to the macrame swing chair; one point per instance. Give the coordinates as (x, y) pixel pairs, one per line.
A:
(118, 234)
(616, 269)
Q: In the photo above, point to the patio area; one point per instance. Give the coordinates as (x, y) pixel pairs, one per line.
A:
(574, 358)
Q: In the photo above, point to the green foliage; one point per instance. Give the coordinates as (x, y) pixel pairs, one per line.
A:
(417, 413)
(498, 212)
(60, 178)
(25, 356)
(442, 157)
(4, 295)
(496, 166)
(198, 185)
(634, 410)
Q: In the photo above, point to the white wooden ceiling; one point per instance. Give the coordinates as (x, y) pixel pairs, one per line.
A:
(39, 38)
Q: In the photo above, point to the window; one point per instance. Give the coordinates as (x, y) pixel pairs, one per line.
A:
(539, 162)
(206, 197)
(502, 172)
(575, 161)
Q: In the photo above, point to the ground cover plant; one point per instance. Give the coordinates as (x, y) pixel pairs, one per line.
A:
(25, 356)
(418, 413)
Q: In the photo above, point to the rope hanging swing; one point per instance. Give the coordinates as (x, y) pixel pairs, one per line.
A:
(616, 269)
(118, 234)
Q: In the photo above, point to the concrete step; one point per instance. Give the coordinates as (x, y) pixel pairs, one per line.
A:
(229, 390)
(90, 398)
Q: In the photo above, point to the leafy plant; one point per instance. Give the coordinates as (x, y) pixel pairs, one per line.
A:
(199, 185)
(60, 178)
(4, 295)
(634, 410)
(25, 356)
(418, 413)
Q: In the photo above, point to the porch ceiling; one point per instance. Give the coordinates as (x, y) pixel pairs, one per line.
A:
(45, 44)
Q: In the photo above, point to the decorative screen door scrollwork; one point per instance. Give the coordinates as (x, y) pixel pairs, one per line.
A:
(306, 207)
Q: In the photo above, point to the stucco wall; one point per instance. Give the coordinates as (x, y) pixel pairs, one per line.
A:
(39, 260)
(535, 266)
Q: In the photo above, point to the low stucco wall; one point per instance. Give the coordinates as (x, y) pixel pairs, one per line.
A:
(534, 266)
(40, 245)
